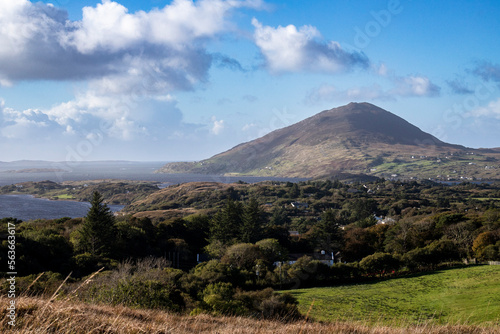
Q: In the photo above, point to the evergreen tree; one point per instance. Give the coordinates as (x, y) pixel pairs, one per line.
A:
(98, 230)
(280, 217)
(225, 225)
(251, 222)
(326, 234)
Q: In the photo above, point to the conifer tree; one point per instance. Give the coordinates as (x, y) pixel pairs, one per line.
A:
(98, 230)
(251, 222)
(225, 225)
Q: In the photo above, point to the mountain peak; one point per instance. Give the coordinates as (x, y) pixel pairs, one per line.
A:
(352, 139)
(361, 122)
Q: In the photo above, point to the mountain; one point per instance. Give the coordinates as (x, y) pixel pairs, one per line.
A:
(358, 138)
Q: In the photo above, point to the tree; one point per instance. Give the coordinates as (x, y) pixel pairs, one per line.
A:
(437, 252)
(97, 234)
(481, 242)
(326, 235)
(252, 221)
(226, 223)
(361, 208)
(279, 217)
(380, 263)
(357, 244)
(242, 255)
(272, 251)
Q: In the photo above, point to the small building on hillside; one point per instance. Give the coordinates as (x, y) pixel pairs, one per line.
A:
(299, 205)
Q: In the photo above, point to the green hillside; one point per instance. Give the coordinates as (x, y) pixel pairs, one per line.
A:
(457, 296)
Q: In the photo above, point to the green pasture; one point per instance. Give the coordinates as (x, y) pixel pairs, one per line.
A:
(64, 196)
(456, 296)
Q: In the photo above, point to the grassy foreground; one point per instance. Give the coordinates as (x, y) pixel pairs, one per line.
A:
(467, 296)
(37, 315)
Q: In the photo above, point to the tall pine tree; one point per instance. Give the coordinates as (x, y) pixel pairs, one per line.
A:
(98, 230)
(225, 225)
(252, 221)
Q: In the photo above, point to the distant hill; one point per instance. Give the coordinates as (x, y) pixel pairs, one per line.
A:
(358, 138)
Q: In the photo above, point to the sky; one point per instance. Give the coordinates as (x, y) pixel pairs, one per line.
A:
(158, 80)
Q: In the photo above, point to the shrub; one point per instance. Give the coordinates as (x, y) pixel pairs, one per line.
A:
(218, 299)
(268, 304)
(380, 263)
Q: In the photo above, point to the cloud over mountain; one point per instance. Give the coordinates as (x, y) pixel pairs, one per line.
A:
(292, 49)
(408, 86)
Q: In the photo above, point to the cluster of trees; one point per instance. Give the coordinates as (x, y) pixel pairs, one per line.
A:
(242, 246)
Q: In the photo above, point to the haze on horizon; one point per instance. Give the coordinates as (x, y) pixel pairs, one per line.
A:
(178, 80)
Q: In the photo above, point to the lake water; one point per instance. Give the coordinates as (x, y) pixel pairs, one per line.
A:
(26, 207)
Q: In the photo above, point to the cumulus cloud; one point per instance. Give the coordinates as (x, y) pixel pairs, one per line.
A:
(124, 117)
(292, 49)
(492, 110)
(218, 126)
(415, 86)
(131, 63)
(78, 130)
(39, 42)
(30, 123)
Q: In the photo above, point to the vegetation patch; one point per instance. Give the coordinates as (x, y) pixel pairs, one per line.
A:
(457, 296)
(64, 196)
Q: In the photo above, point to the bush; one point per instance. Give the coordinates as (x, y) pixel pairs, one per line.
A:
(46, 284)
(268, 304)
(218, 299)
(144, 284)
(380, 263)
(429, 256)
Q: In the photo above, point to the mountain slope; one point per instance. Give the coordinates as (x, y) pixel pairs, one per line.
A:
(355, 138)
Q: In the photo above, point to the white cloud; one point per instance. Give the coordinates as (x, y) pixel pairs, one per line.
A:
(218, 126)
(415, 86)
(288, 49)
(92, 125)
(382, 70)
(249, 127)
(30, 123)
(109, 26)
(492, 110)
(410, 86)
(40, 43)
(132, 63)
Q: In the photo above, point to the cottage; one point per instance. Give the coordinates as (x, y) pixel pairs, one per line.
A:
(299, 205)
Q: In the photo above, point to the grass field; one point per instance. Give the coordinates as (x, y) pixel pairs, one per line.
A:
(41, 315)
(65, 196)
(457, 296)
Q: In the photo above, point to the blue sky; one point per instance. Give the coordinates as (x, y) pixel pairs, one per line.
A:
(183, 80)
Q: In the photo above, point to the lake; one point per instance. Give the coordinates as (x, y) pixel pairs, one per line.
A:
(26, 207)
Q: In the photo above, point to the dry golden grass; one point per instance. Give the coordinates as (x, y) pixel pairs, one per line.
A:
(39, 315)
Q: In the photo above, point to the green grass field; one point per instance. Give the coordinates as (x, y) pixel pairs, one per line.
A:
(65, 196)
(457, 296)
